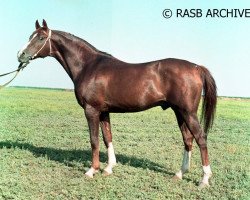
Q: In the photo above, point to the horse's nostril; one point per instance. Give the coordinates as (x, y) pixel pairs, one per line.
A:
(23, 53)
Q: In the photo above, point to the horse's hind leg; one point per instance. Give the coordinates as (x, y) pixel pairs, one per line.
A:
(107, 138)
(92, 116)
(193, 125)
(188, 142)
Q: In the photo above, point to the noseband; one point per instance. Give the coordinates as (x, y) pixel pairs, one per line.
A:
(48, 39)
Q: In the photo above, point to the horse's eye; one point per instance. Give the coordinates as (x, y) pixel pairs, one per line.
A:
(41, 38)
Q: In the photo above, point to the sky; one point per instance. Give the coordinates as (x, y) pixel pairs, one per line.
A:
(132, 31)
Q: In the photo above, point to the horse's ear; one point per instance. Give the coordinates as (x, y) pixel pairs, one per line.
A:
(45, 24)
(37, 25)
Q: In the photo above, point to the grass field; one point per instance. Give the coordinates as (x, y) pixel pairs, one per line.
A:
(45, 151)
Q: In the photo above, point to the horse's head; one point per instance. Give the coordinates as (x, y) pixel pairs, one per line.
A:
(39, 45)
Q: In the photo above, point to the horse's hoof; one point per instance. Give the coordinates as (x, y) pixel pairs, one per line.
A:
(106, 173)
(176, 178)
(108, 170)
(203, 185)
(90, 173)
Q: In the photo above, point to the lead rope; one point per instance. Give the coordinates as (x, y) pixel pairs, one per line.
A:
(23, 65)
(20, 67)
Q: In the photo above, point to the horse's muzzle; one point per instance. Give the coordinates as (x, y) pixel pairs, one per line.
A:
(23, 57)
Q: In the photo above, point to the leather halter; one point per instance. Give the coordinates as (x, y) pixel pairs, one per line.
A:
(47, 39)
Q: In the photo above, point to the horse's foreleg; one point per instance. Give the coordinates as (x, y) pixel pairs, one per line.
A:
(200, 137)
(107, 138)
(92, 116)
(188, 142)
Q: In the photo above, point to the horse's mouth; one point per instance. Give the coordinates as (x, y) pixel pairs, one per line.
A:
(24, 59)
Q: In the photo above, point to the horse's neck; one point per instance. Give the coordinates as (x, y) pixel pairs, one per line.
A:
(73, 56)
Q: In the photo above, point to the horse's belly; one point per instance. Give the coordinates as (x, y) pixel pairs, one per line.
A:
(135, 103)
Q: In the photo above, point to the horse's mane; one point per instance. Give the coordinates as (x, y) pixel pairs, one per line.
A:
(77, 39)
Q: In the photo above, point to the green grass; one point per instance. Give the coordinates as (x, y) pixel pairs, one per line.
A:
(45, 151)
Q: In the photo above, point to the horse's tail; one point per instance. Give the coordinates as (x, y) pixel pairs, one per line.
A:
(209, 98)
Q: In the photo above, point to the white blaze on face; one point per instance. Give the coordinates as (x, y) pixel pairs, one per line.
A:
(26, 45)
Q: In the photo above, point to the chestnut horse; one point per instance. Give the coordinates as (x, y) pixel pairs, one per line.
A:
(104, 84)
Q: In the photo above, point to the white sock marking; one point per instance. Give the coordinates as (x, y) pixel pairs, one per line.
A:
(186, 161)
(207, 174)
(185, 164)
(111, 158)
(111, 154)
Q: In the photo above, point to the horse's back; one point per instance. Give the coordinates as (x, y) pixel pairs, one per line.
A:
(118, 86)
(144, 85)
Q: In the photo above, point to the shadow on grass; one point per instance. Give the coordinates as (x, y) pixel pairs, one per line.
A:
(68, 157)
